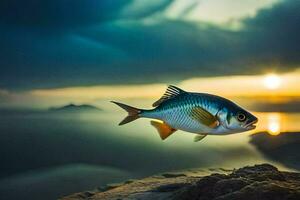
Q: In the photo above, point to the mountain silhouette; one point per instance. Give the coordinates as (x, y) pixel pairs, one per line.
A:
(75, 108)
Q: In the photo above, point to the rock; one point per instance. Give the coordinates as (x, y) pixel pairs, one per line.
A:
(170, 187)
(259, 182)
(283, 148)
(172, 175)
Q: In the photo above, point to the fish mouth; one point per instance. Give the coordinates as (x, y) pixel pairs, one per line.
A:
(251, 125)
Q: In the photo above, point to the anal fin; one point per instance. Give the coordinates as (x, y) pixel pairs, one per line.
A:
(163, 129)
(198, 138)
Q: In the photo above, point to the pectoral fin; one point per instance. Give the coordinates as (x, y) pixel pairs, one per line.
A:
(163, 129)
(197, 138)
(204, 117)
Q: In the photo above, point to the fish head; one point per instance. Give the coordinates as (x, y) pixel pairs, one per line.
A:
(239, 120)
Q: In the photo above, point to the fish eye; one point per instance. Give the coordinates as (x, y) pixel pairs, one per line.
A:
(241, 117)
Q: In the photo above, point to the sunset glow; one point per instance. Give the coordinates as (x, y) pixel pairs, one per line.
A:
(272, 81)
(171, 72)
(279, 88)
(274, 124)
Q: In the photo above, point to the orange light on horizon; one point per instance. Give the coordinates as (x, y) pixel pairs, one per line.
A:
(250, 86)
(274, 124)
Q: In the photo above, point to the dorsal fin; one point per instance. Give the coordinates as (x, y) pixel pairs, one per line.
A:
(171, 92)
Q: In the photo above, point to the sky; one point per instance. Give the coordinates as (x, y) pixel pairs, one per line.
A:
(53, 49)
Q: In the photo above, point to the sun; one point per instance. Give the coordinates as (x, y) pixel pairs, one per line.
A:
(272, 81)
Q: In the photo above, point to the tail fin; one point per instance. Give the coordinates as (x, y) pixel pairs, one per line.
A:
(133, 113)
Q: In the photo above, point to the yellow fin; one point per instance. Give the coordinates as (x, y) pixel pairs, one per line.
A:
(199, 137)
(204, 117)
(163, 129)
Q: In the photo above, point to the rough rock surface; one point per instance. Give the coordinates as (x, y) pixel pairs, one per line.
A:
(259, 182)
(284, 148)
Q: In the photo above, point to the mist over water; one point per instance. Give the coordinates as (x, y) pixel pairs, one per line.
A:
(41, 148)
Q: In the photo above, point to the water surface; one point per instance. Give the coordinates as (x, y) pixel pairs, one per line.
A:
(44, 147)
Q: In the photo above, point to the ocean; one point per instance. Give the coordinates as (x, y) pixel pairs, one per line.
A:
(58, 153)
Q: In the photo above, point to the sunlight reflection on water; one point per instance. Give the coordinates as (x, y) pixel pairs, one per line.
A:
(274, 122)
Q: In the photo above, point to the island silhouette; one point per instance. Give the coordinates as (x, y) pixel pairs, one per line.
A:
(75, 108)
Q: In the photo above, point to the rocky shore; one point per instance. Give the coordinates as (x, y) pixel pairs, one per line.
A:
(259, 182)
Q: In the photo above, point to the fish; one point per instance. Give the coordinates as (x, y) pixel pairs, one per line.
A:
(199, 113)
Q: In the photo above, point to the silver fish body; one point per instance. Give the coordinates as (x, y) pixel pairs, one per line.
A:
(176, 112)
(199, 113)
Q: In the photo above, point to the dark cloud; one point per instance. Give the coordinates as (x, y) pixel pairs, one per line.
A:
(54, 15)
(272, 36)
(58, 14)
(83, 46)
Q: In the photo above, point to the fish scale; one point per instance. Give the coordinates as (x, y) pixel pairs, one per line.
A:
(199, 113)
(176, 113)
